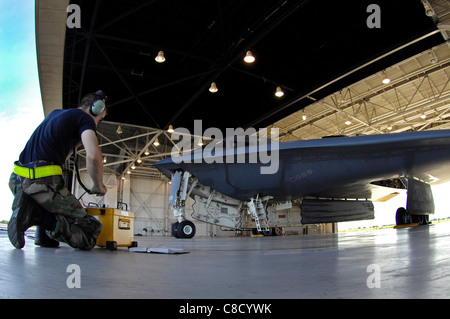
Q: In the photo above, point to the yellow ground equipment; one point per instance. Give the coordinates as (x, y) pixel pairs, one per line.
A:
(118, 227)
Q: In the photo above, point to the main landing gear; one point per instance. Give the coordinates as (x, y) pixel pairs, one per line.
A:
(419, 204)
(403, 217)
(275, 231)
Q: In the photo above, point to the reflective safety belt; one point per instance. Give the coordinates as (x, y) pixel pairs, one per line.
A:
(37, 172)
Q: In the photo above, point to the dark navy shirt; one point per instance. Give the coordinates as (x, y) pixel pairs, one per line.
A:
(56, 136)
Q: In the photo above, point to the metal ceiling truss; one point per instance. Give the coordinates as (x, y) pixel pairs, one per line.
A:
(123, 150)
(417, 98)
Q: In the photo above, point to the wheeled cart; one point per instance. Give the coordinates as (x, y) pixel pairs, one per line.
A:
(118, 227)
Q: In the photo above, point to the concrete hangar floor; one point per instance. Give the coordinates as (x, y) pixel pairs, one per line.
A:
(390, 263)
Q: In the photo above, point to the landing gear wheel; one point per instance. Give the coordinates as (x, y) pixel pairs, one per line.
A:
(402, 217)
(186, 229)
(174, 229)
(421, 219)
(278, 231)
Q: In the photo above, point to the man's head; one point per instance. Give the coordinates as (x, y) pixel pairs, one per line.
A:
(94, 104)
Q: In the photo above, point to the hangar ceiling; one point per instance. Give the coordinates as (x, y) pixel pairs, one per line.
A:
(416, 98)
(322, 54)
(298, 45)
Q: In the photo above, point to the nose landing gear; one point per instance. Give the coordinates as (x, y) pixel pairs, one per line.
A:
(179, 192)
(184, 229)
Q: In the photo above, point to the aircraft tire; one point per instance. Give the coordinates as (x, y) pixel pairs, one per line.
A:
(174, 229)
(402, 217)
(278, 231)
(421, 219)
(186, 229)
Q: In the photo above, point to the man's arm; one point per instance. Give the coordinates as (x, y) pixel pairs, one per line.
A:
(94, 161)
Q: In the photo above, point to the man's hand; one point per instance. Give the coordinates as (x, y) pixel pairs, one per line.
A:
(99, 190)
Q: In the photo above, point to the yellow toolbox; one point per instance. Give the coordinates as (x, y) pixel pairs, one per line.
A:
(118, 227)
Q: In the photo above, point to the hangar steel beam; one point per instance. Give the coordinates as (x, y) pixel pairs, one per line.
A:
(149, 143)
(162, 87)
(153, 46)
(125, 83)
(346, 114)
(124, 15)
(87, 49)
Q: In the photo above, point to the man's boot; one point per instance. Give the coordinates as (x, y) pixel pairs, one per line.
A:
(41, 238)
(22, 218)
(15, 229)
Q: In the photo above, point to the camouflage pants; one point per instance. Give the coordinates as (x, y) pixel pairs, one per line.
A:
(73, 225)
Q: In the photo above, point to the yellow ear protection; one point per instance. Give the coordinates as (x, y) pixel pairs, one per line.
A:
(99, 106)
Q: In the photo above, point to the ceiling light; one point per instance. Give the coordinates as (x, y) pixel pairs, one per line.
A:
(104, 159)
(279, 92)
(156, 143)
(433, 58)
(348, 122)
(423, 116)
(200, 142)
(147, 152)
(213, 88)
(133, 166)
(303, 116)
(119, 130)
(139, 160)
(249, 58)
(428, 9)
(160, 57)
(385, 80)
(170, 129)
(128, 172)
